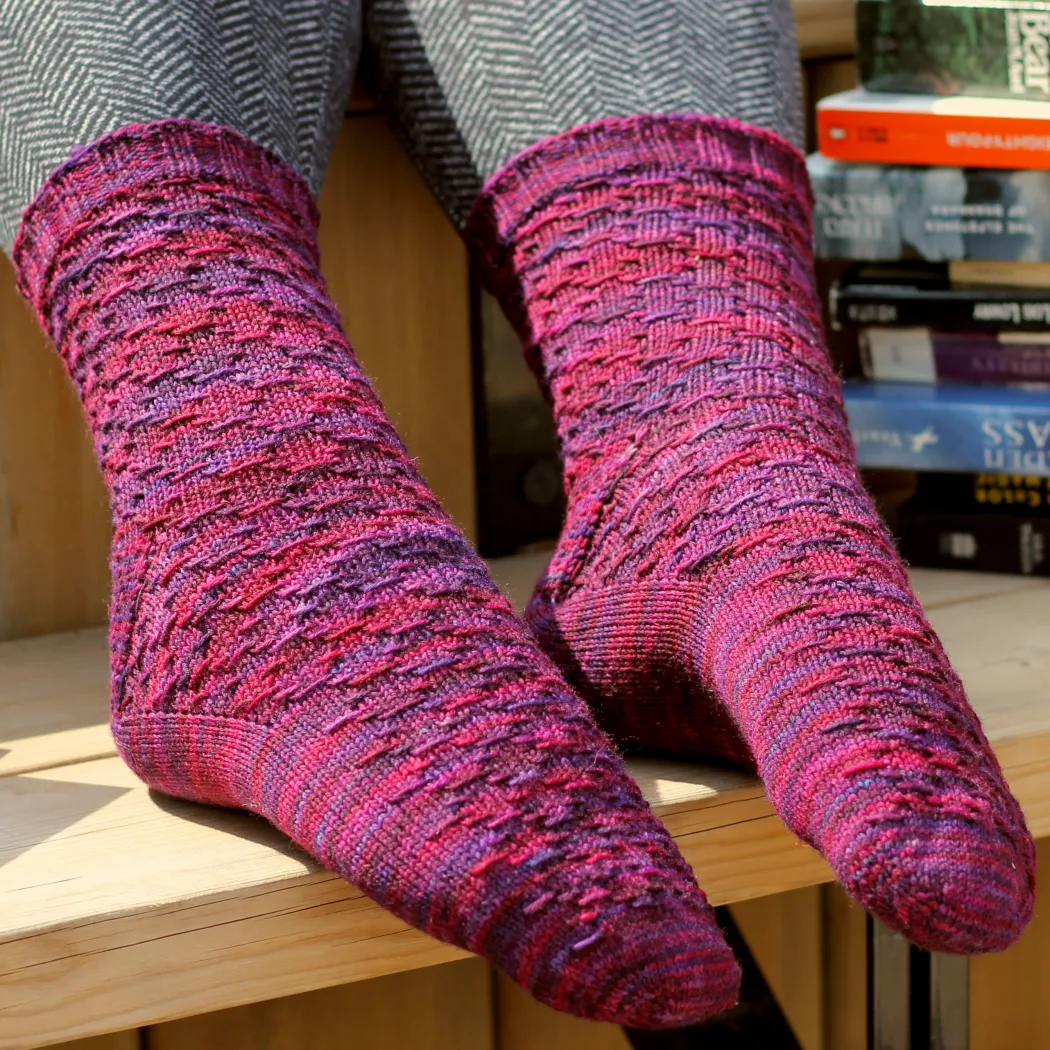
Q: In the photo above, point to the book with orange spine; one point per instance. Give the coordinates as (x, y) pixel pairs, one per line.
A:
(960, 130)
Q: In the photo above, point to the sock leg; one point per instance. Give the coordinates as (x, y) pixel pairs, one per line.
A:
(723, 584)
(298, 629)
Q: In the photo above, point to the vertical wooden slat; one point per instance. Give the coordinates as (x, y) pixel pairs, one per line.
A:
(54, 517)
(845, 971)
(116, 1041)
(398, 272)
(524, 1024)
(784, 934)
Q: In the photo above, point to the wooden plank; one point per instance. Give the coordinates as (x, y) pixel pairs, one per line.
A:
(118, 908)
(784, 933)
(1008, 1003)
(448, 1007)
(845, 971)
(117, 1041)
(522, 1023)
(398, 272)
(54, 517)
(54, 704)
(516, 576)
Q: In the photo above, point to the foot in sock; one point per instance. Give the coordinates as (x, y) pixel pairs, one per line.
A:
(723, 585)
(298, 629)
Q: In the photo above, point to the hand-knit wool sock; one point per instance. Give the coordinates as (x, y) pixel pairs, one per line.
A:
(298, 629)
(723, 585)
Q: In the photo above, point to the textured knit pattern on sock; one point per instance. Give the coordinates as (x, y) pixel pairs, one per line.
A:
(298, 629)
(720, 556)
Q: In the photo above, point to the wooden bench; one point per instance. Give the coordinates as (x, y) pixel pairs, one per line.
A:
(120, 908)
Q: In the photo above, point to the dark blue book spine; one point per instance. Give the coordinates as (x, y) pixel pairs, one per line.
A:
(962, 309)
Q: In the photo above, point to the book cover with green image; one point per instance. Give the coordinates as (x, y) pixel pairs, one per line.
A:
(939, 47)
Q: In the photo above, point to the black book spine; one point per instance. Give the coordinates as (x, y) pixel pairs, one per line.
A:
(982, 542)
(966, 309)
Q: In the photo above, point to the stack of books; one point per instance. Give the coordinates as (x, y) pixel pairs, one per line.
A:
(932, 233)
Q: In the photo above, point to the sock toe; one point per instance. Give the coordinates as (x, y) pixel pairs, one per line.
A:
(945, 882)
(656, 964)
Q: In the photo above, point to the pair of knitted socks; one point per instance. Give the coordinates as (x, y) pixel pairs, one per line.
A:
(299, 630)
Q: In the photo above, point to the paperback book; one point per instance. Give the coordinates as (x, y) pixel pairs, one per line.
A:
(924, 295)
(922, 355)
(951, 47)
(984, 492)
(960, 130)
(882, 213)
(951, 427)
(992, 542)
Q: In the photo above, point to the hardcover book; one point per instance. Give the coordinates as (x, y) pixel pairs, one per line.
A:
(908, 426)
(923, 294)
(922, 355)
(869, 211)
(953, 47)
(960, 130)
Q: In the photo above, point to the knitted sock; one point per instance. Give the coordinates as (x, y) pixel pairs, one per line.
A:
(723, 585)
(298, 629)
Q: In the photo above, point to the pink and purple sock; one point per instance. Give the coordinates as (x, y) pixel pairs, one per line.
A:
(297, 627)
(723, 586)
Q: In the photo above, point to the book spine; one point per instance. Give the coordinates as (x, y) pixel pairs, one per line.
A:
(903, 426)
(960, 48)
(972, 309)
(1012, 494)
(982, 542)
(888, 136)
(886, 213)
(919, 355)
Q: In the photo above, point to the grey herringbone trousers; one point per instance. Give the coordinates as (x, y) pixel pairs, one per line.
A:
(469, 83)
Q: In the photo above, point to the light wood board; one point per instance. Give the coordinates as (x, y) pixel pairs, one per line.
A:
(118, 908)
(54, 701)
(54, 517)
(398, 272)
(446, 1007)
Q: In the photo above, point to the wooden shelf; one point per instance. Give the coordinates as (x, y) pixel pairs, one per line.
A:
(120, 908)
